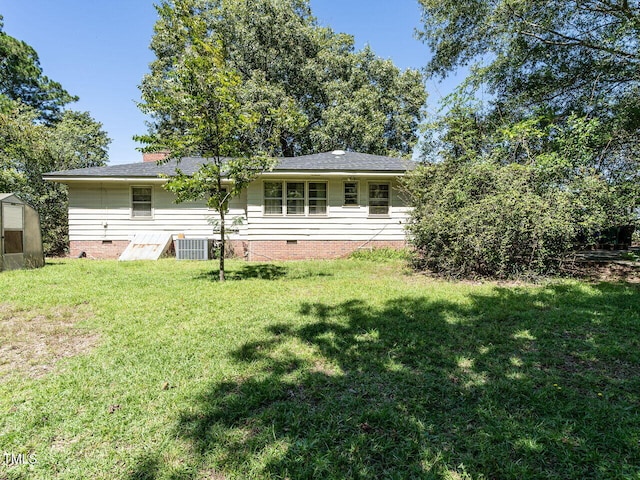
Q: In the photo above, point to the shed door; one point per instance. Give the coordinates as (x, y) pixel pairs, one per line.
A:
(13, 233)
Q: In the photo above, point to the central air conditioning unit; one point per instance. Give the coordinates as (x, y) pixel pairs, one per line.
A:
(193, 248)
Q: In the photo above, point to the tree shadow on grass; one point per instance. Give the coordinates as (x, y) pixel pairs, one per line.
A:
(263, 271)
(513, 384)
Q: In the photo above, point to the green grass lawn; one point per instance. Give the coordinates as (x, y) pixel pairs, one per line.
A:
(342, 369)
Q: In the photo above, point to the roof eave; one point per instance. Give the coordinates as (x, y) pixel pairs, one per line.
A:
(334, 173)
(93, 178)
(273, 173)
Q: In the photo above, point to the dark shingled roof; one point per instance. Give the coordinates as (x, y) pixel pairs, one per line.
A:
(325, 162)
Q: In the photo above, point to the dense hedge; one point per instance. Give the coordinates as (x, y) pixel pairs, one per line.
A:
(491, 220)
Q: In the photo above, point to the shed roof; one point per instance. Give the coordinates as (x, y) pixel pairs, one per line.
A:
(320, 162)
(11, 197)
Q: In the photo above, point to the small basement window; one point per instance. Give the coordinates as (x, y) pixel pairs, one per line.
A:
(141, 202)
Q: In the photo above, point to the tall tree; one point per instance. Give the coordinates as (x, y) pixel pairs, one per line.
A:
(569, 54)
(22, 79)
(550, 60)
(572, 57)
(333, 95)
(199, 110)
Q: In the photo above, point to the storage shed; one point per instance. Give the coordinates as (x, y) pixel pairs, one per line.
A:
(20, 234)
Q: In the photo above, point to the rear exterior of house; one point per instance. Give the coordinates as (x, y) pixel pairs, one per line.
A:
(316, 206)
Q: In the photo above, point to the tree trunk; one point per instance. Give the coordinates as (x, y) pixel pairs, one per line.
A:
(286, 146)
(222, 235)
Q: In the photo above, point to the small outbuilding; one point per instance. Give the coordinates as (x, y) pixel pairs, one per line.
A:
(20, 234)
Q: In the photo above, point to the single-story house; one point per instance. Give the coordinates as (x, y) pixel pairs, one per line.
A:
(325, 205)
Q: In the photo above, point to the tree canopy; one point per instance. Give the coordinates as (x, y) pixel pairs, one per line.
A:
(572, 55)
(22, 79)
(327, 94)
(553, 59)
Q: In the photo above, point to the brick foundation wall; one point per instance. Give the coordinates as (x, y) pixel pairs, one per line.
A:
(107, 249)
(265, 250)
(236, 248)
(99, 249)
(256, 250)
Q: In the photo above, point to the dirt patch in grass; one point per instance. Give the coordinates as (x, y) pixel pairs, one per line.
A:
(628, 272)
(32, 341)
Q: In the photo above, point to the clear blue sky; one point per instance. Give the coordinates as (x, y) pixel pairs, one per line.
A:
(98, 50)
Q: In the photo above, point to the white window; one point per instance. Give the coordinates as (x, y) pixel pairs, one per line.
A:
(379, 198)
(317, 198)
(141, 202)
(350, 194)
(273, 198)
(295, 198)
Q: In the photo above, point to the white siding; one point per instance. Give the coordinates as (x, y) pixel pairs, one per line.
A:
(103, 212)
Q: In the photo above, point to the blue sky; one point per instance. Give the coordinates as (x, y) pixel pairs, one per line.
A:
(98, 50)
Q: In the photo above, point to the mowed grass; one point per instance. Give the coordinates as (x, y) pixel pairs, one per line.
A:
(341, 369)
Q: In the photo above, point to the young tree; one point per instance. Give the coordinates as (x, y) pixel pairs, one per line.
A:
(198, 110)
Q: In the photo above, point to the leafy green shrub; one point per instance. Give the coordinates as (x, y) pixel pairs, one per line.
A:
(488, 220)
(502, 199)
(631, 256)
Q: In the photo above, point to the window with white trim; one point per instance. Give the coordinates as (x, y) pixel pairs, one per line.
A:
(379, 195)
(141, 198)
(295, 198)
(273, 198)
(317, 198)
(350, 194)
